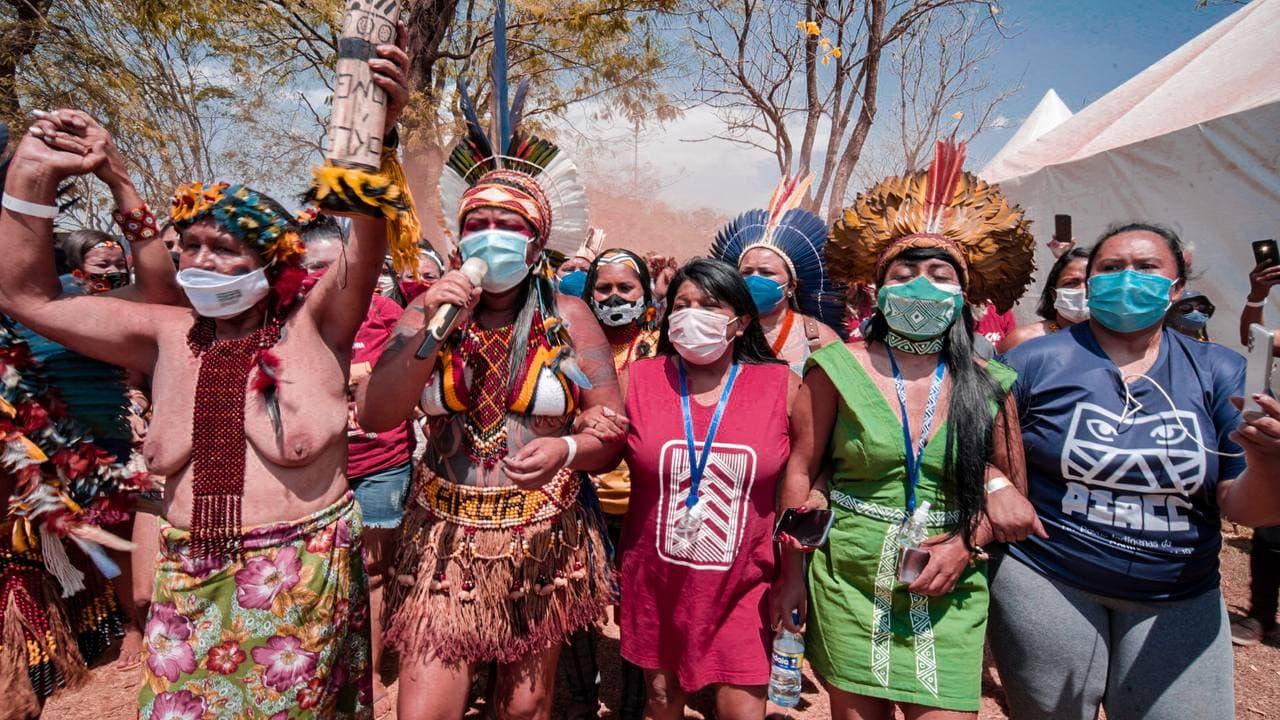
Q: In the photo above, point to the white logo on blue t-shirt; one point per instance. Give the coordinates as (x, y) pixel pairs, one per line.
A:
(1138, 473)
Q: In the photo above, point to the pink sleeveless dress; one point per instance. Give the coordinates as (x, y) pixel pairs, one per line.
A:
(700, 609)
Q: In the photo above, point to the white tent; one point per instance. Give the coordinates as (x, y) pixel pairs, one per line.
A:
(1192, 142)
(1049, 113)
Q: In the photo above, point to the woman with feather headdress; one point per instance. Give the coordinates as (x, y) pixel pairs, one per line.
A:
(498, 560)
(781, 255)
(897, 598)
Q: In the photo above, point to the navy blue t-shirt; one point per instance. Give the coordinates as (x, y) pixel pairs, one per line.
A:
(1125, 491)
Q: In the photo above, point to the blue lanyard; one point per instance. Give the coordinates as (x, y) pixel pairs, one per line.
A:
(698, 465)
(915, 456)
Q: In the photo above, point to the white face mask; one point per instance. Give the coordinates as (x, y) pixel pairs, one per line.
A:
(700, 336)
(1073, 304)
(215, 295)
(386, 284)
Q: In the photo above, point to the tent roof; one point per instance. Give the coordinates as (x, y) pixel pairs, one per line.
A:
(1229, 68)
(1049, 113)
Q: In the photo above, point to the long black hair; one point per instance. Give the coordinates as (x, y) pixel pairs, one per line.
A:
(970, 422)
(721, 280)
(1049, 295)
(642, 270)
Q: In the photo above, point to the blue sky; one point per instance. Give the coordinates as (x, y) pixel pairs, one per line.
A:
(1084, 49)
(1081, 48)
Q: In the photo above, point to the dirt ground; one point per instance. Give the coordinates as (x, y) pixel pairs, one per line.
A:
(111, 693)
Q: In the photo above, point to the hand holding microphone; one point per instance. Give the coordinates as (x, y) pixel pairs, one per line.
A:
(450, 298)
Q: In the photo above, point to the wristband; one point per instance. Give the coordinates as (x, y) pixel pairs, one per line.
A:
(997, 484)
(138, 225)
(13, 204)
(1251, 304)
(572, 445)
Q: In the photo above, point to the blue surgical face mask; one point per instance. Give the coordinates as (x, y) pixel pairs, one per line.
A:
(503, 251)
(1192, 322)
(1194, 319)
(1128, 301)
(765, 293)
(573, 283)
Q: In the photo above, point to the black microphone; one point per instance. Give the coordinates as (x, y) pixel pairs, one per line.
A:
(446, 316)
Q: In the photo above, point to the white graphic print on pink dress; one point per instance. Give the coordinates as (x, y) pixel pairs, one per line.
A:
(725, 490)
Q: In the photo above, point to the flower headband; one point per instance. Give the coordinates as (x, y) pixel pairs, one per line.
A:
(250, 216)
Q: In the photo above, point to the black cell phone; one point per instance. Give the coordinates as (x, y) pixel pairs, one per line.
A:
(1264, 251)
(808, 528)
(1062, 228)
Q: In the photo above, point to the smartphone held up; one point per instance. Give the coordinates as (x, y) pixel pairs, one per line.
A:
(1265, 251)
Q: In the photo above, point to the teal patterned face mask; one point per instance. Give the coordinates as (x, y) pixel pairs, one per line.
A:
(920, 309)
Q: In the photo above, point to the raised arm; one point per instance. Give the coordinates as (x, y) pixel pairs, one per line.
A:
(108, 329)
(155, 275)
(338, 302)
(1261, 279)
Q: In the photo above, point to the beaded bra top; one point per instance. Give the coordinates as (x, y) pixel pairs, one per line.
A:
(471, 381)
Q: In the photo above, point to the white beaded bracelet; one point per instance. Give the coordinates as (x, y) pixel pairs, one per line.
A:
(1252, 304)
(573, 449)
(11, 203)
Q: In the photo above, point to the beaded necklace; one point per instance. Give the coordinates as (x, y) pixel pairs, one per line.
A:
(783, 334)
(915, 347)
(217, 433)
(484, 428)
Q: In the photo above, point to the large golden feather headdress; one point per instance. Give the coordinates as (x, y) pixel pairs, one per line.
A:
(944, 208)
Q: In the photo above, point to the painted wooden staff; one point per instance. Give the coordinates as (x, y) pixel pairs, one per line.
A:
(360, 106)
(359, 174)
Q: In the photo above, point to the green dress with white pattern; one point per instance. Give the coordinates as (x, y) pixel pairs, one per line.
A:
(866, 633)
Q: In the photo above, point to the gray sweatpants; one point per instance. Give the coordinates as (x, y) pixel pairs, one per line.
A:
(1063, 652)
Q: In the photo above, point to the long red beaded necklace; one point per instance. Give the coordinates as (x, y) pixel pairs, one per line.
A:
(217, 433)
(486, 352)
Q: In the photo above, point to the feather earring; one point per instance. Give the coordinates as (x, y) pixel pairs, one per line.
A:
(267, 383)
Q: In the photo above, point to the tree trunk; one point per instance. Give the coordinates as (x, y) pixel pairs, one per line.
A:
(814, 105)
(16, 42)
(428, 22)
(871, 80)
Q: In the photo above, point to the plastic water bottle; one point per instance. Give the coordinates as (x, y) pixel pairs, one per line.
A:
(784, 676)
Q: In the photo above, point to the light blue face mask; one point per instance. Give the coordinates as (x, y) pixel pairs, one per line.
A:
(765, 293)
(1128, 301)
(573, 283)
(503, 251)
(1195, 320)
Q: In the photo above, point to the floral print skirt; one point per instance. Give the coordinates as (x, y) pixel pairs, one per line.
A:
(280, 632)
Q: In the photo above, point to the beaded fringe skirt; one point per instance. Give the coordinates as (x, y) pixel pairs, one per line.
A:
(494, 574)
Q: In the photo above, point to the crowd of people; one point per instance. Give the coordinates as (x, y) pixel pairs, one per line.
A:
(324, 482)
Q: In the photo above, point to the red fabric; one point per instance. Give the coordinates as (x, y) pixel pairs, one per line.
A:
(368, 455)
(995, 325)
(702, 611)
